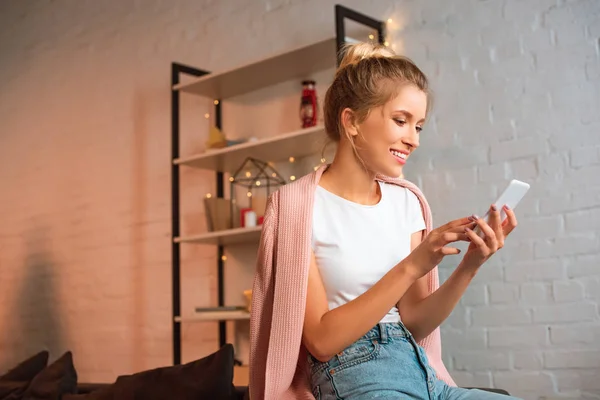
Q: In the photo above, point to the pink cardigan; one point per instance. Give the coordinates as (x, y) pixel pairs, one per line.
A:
(278, 365)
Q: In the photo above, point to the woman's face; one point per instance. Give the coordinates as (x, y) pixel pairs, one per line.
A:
(390, 133)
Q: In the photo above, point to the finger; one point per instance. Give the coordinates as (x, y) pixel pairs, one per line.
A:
(456, 223)
(449, 237)
(475, 238)
(452, 235)
(448, 251)
(511, 219)
(461, 228)
(495, 223)
(489, 234)
(494, 217)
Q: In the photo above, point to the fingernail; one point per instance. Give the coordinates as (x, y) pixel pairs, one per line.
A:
(494, 208)
(507, 207)
(474, 217)
(467, 229)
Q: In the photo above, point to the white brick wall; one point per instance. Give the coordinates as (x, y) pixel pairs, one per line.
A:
(535, 67)
(85, 254)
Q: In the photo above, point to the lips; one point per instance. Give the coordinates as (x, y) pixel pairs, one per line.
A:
(399, 155)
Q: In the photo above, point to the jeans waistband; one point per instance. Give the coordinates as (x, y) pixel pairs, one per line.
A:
(382, 331)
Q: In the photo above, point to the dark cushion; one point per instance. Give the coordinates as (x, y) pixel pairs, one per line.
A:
(208, 378)
(28, 369)
(54, 381)
(14, 383)
(12, 390)
(105, 393)
(91, 387)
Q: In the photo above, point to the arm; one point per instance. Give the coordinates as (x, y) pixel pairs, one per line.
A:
(326, 333)
(421, 312)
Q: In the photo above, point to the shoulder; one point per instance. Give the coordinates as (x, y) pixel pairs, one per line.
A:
(400, 192)
(408, 194)
(298, 186)
(291, 196)
(297, 193)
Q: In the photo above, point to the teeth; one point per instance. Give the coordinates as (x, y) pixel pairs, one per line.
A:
(398, 154)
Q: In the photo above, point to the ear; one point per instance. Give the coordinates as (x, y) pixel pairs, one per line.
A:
(349, 124)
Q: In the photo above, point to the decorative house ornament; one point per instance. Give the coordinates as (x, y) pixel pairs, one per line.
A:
(258, 179)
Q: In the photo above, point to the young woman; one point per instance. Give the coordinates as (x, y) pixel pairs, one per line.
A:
(363, 294)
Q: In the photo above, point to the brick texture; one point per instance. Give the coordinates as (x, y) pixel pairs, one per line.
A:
(85, 182)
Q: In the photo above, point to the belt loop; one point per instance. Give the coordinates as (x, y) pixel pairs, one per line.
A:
(383, 333)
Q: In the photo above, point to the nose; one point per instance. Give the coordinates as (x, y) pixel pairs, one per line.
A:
(411, 139)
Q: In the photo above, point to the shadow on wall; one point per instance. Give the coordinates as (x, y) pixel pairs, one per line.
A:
(33, 322)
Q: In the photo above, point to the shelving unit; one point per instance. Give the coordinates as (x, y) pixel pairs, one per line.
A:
(293, 64)
(300, 143)
(296, 64)
(225, 237)
(215, 316)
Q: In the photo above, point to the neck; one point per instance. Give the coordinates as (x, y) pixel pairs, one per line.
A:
(348, 178)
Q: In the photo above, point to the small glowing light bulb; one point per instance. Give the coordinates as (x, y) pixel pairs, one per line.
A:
(316, 167)
(249, 194)
(322, 160)
(216, 102)
(292, 178)
(274, 175)
(257, 183)
(248, 174)
(224, 258)
(292, 159)
(208, 195)
(389, 20)
(371, 36)
(207, 115)
(231, 179)
(386, 43)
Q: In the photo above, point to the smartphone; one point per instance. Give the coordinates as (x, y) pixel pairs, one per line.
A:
(512, 195)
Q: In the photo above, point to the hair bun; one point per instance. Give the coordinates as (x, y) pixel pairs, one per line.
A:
(355, 52)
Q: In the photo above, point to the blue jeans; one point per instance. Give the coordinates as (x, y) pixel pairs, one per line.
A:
(386, 363)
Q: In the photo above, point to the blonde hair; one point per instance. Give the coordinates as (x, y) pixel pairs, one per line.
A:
(369, 75)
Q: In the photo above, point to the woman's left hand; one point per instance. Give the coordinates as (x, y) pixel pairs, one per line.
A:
(494, 234)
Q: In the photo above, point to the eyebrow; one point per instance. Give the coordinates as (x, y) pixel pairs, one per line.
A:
(409, 114)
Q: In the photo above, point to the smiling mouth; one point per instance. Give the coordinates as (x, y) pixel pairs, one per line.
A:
(400, 156)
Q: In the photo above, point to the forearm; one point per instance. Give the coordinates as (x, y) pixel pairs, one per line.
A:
(342, 326)
(424, 316)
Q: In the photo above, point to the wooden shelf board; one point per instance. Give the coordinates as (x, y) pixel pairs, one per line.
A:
(215, 316)
(224, 237)
(299, 63)
(300, 143)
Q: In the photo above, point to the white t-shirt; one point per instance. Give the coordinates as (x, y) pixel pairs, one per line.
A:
(356, 245)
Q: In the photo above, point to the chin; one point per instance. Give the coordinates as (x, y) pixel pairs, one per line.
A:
(391, 171)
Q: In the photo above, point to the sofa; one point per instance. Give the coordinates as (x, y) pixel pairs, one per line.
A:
(210, 377)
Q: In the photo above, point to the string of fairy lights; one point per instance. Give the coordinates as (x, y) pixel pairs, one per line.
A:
(372, 38)
(259, 183)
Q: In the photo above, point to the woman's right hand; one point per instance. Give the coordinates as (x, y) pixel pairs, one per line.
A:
(433, 248)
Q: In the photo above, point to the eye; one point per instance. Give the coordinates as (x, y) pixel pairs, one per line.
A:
(419, 129)
(400, 122)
